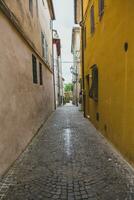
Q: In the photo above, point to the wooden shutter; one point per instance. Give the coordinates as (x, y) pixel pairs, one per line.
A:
(93, 92)
(92, 19)
(101, 8)
(40, 74)
(34, 66)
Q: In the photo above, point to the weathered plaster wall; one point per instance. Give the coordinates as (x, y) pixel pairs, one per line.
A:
(33, 25)
(23, 105)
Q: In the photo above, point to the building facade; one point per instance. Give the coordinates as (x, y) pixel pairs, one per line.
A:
(58, 79)
(107, 27)
(75, 69)
(26, 83)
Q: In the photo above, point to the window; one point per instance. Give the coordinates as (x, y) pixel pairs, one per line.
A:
(51, 24)
(93, 93)
(52, 61)
(46, 50)
(40, 74)
(101, 8)
(43, 2)
(44, 47)
(92, 19)
(34, 64)
(37, 8)
(31, 7)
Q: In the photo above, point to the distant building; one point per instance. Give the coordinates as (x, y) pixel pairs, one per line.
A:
(58, 79)
(76, 69)
(26, 76)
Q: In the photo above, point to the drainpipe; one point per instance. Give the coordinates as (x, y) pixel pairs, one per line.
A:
(53, 69)
(83, 77)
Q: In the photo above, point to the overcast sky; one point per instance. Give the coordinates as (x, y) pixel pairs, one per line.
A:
(64, 11)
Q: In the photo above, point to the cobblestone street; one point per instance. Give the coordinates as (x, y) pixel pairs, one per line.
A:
(68, 160)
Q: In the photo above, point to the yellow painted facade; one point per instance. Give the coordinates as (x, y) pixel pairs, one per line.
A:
(106, 48)
(85, 5)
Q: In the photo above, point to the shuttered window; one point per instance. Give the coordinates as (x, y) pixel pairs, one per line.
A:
(44, 47)
(43, 44)
(34, 67)
(92, 21)
(101, 8)
(31, 7)
(46, 50)
(43, 2)
(37, 7)
(40, 74)
(93, 93)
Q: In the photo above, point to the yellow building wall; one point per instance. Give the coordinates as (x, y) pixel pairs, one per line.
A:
(85, 5)
(116, 72)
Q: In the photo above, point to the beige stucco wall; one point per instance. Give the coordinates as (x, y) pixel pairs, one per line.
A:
(33, 25)
(23, 105)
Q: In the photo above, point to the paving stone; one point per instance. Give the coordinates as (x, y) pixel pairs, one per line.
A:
(84, 196)
(68, 160)
(56, 197)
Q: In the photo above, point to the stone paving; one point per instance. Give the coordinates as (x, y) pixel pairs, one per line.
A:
(68, 160)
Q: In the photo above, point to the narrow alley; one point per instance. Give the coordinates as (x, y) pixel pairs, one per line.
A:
(68, 160)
